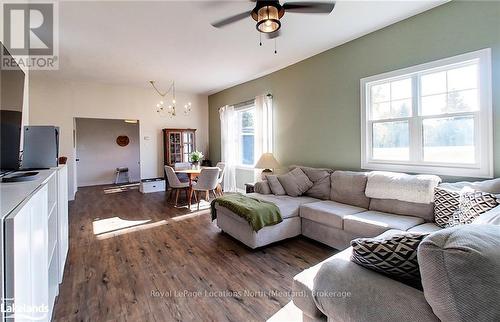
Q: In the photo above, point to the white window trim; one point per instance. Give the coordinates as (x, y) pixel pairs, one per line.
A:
(483, 133)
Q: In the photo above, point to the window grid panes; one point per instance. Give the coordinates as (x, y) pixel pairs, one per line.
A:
(391, 99)
(440, 129)
(390, 140)
(449, 139)
(431, 118)
(451, 91)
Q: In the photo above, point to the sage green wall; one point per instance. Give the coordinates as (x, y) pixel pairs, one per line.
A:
(317, 101)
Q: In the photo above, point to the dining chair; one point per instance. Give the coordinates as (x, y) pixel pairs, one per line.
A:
(175, 184)
(207, 181)
(182, 166)
(222, 167)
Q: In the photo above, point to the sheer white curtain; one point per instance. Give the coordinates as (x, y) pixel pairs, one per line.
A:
(229, 143)
(263, 125)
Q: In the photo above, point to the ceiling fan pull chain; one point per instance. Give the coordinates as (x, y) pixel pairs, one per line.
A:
(275, 50)
(260, 39)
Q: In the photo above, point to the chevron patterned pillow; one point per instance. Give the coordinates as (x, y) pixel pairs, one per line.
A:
(394, 256)
(446, 202)
(472, 204)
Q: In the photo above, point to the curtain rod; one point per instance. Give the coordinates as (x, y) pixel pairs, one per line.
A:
(241, 104)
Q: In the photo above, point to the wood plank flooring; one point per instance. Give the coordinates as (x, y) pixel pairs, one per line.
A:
(170, 265)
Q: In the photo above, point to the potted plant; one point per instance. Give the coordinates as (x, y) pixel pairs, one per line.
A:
(195, 158)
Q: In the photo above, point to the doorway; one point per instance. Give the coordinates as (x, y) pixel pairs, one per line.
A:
(102, 146)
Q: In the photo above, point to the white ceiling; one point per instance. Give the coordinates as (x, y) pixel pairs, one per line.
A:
(132, 42)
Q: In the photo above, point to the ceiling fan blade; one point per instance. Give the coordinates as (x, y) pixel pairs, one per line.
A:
(309, 7)
(232, 19)
(273, 35)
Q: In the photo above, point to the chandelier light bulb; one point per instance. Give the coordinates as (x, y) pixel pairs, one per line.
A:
(170, 110)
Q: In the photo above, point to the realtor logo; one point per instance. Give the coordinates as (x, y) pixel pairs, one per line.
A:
(29, 34)
(25, 312)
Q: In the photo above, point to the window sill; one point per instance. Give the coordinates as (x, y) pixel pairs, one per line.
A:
(245, 167)
(446, 170)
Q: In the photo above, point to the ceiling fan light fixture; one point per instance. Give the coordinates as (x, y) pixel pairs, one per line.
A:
(268, 17)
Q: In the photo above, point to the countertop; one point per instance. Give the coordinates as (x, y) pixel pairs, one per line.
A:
(13, 194)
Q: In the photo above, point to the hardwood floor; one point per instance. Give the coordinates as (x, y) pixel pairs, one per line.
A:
(171, 265)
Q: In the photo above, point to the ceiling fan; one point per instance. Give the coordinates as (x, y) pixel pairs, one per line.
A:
(268, 13)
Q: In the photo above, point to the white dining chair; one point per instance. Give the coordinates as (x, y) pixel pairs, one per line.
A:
(182, 166)
(222, 167)
(207, 181)
(175, 184)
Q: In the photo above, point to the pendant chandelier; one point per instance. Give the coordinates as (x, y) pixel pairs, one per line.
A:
(166, 107)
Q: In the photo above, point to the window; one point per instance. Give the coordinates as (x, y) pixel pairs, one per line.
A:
(431, 118)
(246, 132)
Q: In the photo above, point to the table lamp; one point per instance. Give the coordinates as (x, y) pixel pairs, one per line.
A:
(267, 162)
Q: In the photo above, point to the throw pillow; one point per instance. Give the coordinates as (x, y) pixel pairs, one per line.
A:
(349, 187)
(262, 187)
(275, 185)
(446, 202)
(320, 178)
(472, 204)
(394, 256)
(295, 182)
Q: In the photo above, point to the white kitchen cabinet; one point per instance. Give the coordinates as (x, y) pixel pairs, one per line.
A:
(26, 285)
(34, 244)
(18, 285)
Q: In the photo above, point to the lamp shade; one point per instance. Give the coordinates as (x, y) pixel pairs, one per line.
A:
(267, 161)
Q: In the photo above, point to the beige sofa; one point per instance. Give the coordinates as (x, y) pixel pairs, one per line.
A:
(336, 210)
(333, 211)
(459, 267)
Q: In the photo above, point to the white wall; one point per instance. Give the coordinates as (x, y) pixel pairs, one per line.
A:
(58, 102)
(99, 155)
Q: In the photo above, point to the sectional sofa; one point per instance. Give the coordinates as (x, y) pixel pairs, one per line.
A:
(341, 206)
(334, 211)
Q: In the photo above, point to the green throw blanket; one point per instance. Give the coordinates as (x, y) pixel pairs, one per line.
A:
(258, 213)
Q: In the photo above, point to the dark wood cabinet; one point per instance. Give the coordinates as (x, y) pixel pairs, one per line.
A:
(177, 145)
